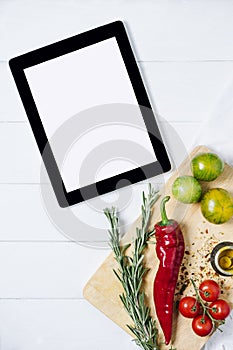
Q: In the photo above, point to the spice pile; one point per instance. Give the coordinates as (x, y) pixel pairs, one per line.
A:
(196, 265)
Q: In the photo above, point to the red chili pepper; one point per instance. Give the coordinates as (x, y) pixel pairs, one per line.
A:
(170, 252)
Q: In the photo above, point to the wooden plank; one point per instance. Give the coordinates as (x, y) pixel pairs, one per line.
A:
(181, 91)
(46, 270)
(160, 30)
(200, 237)
(20, 156)
(186, 91)
(11, 107)
(58, 325)
(23, 216)
(21, 161)
(33, 222)
(26, 217)
(21, 193)
(62, 324)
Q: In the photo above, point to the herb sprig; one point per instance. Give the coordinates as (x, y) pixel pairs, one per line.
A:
(131, 272)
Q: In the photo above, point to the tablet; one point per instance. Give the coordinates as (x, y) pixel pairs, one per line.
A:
(90, 114)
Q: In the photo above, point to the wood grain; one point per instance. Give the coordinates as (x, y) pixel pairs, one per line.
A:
(191, 81)
(103, 288)
(46, 270)
(58, 325)
(160, 30)
(21, 164)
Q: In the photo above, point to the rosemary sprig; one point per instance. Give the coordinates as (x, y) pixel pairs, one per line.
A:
(131, 272)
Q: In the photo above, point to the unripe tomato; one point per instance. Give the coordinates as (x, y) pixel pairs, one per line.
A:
(217, 205)
(207, 166)
(187, 189)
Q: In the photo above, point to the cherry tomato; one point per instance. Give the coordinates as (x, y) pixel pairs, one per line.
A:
(189, 307)
(219, 309)
(202, 325)
(209, 290)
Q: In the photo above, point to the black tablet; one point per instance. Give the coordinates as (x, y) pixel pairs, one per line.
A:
(90, 114)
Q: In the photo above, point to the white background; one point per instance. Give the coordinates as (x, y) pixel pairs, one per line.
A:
(185, 52)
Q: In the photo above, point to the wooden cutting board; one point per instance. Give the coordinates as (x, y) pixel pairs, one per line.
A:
(103, 288)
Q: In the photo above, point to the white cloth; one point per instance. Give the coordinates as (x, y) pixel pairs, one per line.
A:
(216, 134)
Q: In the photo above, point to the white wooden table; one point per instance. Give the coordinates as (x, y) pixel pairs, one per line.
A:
(186, 54)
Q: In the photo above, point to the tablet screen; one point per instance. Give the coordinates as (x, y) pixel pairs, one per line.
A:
(65, 86)
(90, 114)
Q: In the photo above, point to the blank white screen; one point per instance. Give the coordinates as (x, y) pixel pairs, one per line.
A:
(64, 86)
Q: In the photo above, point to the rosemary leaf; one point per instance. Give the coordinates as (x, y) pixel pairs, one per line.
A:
(132, 271)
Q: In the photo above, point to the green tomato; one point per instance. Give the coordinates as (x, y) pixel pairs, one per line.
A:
(187, 189)
(207, 166)
(217, 206)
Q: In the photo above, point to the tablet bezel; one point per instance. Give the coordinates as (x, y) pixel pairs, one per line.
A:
(93, 36)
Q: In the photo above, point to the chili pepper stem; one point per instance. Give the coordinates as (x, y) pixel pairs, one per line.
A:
(164, 217)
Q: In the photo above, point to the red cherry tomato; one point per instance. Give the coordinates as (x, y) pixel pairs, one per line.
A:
(209, 290)
(202, 325)
(189, 307)
(219, 309)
